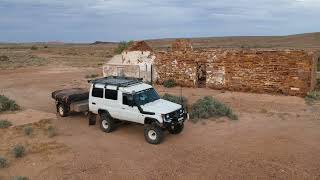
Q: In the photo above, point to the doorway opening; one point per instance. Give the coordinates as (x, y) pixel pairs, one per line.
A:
(318, 65)
(201, 75)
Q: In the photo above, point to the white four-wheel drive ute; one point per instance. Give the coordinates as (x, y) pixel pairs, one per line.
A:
(117, 99)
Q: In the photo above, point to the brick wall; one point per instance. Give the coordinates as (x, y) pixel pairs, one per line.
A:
(290, 72)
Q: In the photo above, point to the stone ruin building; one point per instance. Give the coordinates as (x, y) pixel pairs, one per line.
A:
(289, 72)
(136, 61)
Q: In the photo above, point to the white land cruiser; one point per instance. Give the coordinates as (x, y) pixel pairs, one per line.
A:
(117, 99)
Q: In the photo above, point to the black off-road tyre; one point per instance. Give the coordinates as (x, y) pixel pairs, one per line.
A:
(107, 124)
(153, 133)
(62, 110)
(176, 129)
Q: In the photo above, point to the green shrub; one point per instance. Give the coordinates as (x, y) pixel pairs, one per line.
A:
(5, 124)
(169, 83)
(20, 178)
(91, 76)
(34, 48)
(18, 151)
(176, 99)
(3, 162)
(45, 46)
(312, 96)
(51, 131)
(7, 104)
(4, 58)
(209, 107)
(123, 45)
(28, 130)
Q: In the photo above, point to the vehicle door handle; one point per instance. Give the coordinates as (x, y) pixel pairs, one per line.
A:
(123, 108)
(93, 103)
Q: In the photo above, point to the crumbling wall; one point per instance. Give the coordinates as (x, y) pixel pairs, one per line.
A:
(285, 72)
(121, 70)
(262, 71)
(177, 65)
(136, 61)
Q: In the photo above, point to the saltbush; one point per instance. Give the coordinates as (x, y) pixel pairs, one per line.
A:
(34, 48)
(169, 83)
(208, 107)
(176, 99)
(51, 131)
(312, 96)
(91, 76)
(4, 58)
(28, 130)
(20, 178)
(5, 124)
(18, 151)
(123, 45)
(7, 104)
(3, 162)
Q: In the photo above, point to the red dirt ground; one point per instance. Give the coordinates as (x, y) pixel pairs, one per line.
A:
(276, 137)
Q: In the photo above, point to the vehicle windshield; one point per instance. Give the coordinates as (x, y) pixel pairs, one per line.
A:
(146, 96)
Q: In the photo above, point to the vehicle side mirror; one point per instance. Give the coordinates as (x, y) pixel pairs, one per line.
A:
(130, 101)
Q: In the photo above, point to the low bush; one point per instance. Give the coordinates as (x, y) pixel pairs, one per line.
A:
(3, 162)
(123, 45)
(51, 131)
(18, 151)
(176, 99)
(312, 96)
(7, 104)
(34, 48)
(4, 58)
(20, 178)
(45, 46)
(28, 130)
(5, 124)
(169, 83)
(208, 107)
(91, 76)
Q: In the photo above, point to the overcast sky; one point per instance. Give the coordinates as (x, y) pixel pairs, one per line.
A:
(114, 20)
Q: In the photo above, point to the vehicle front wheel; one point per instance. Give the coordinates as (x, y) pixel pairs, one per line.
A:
(62, 110)
(106, 123)
(176, 129)
(153, 134)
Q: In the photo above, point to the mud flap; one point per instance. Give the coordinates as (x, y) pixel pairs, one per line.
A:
(92, 119)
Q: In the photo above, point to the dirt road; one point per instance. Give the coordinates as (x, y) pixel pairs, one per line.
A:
(276, 137)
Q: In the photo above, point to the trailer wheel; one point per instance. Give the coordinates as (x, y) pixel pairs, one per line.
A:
(62, 110)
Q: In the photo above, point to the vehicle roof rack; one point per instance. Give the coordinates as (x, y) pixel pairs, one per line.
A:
(118, 81)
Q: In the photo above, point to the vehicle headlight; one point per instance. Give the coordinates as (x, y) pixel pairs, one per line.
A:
(165, 117)
(181, 110)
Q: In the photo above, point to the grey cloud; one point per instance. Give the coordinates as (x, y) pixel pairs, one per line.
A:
(89, 20)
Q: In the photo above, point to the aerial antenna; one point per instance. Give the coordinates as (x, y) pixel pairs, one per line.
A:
(181, 100)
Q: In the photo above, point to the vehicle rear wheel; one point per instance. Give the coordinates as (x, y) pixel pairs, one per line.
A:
(153, 134)
(106, 123)
(176, 129)
(62, 110)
